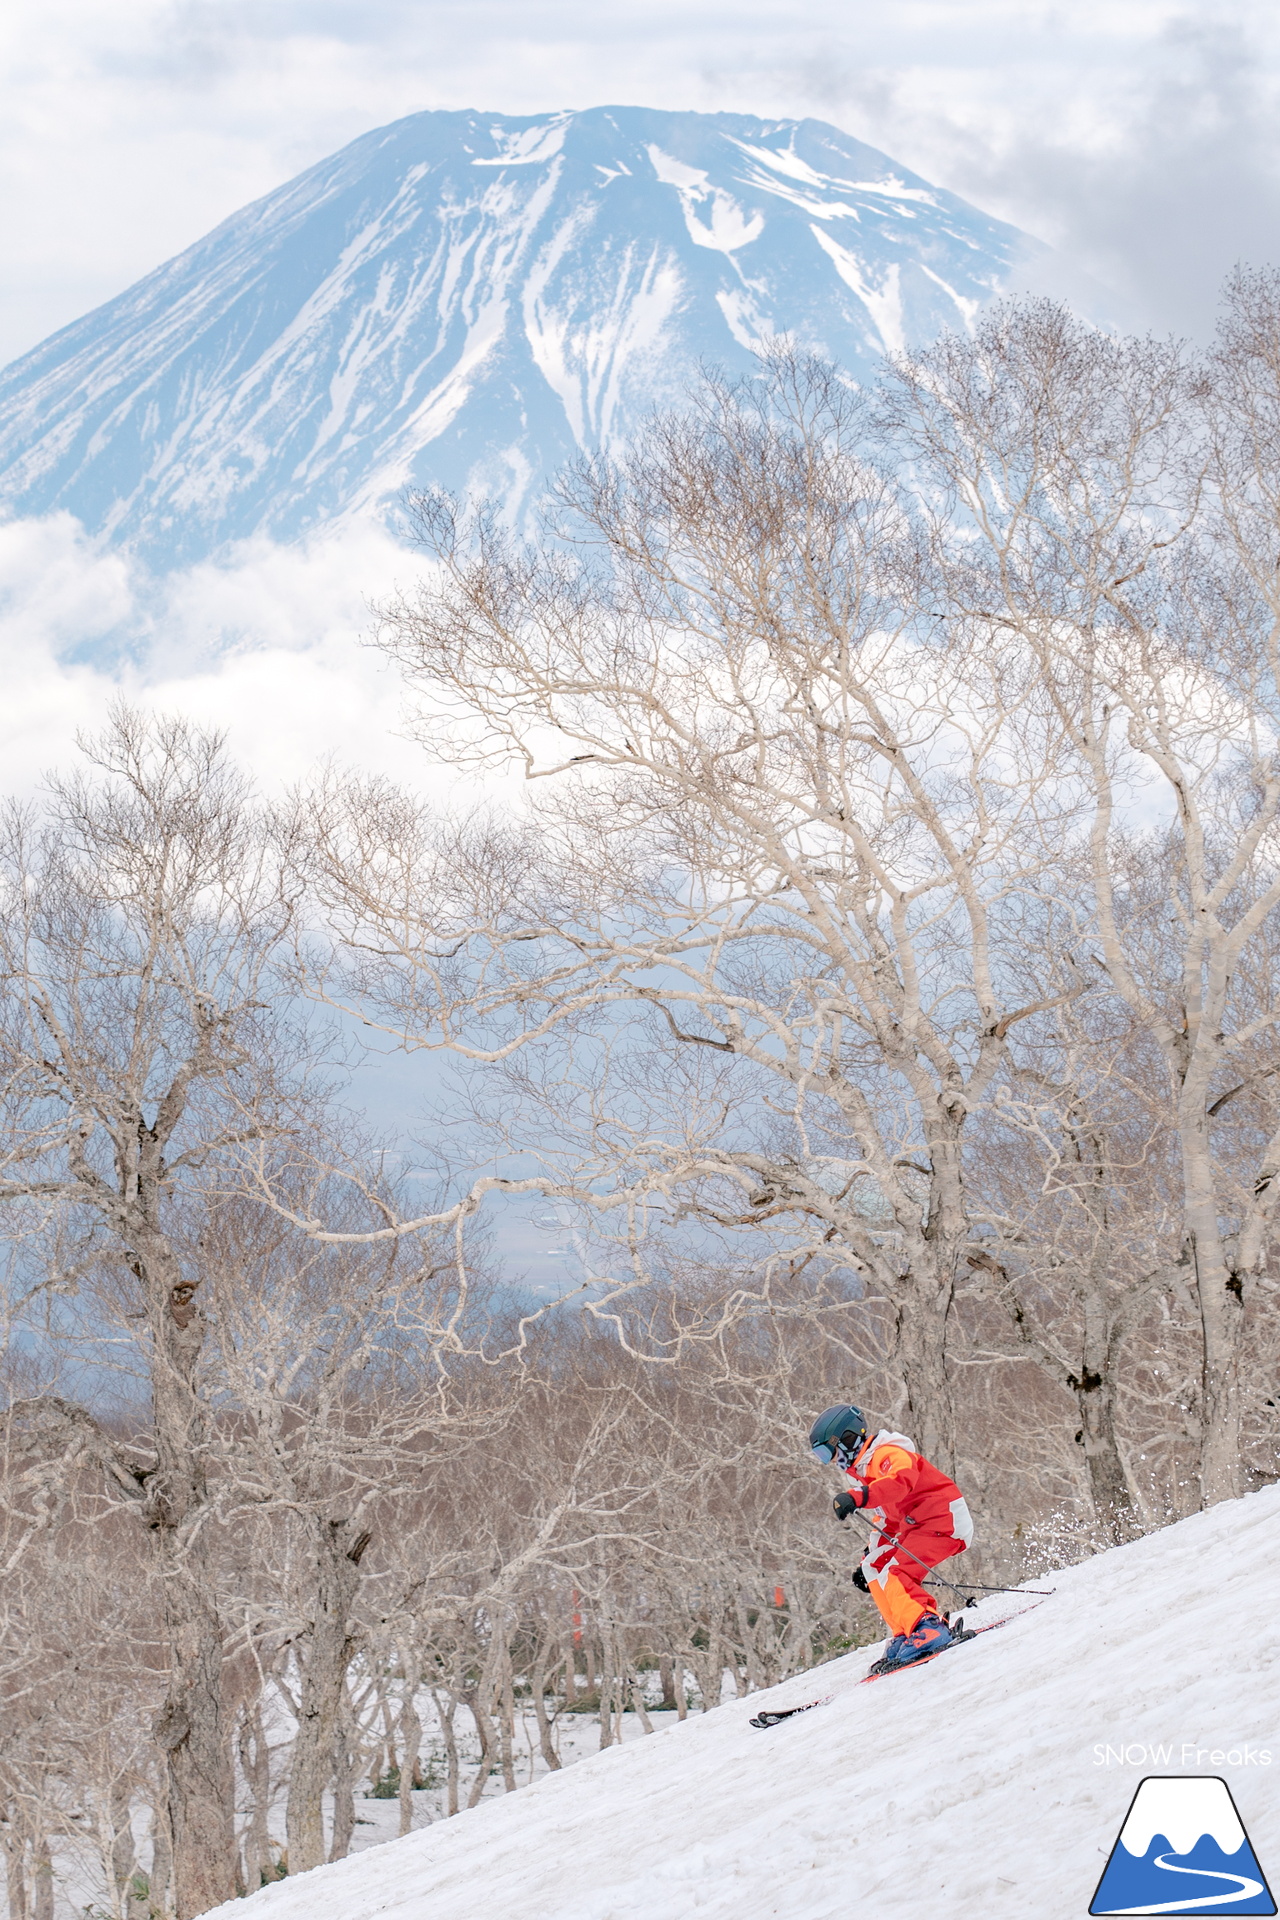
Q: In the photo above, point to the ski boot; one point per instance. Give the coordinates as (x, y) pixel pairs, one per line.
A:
(930, 1635)
(886, 1660)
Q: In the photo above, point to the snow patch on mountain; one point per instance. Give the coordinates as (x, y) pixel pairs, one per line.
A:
(727, 227)
(883, 303)
(527, 146)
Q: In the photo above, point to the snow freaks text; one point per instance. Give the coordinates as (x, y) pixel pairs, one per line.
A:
(1185, 1754)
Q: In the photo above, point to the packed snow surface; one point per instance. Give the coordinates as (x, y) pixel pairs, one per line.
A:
(989, 1784)
(469, 299)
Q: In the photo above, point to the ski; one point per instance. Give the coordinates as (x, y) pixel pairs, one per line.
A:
(772, 1719)
(788, 1713)
(879, 1672)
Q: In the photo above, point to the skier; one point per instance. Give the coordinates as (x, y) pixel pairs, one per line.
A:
(922, 1520)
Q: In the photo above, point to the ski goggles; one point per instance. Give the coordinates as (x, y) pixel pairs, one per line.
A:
(827, 1454)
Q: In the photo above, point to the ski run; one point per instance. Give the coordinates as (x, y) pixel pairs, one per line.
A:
(988, 1785)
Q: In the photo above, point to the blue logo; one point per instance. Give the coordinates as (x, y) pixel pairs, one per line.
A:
(1183, 1850)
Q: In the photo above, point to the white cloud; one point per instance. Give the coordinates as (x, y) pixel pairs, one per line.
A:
(1138, 140)
(269, 644)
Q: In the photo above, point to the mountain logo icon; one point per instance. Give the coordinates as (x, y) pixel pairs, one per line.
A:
(1183, 1850)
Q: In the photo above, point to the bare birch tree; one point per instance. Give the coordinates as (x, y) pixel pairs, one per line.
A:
(140, 916)
(342, 1395)
(1078, 473)
(786, 819)
(1076, 1188)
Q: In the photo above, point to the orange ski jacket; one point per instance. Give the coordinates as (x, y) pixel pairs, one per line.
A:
(898, 1487)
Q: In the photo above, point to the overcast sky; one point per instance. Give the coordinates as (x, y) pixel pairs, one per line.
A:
(1136, 136)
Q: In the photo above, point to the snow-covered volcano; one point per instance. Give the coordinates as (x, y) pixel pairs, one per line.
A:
(467, 298)
(989, 1784)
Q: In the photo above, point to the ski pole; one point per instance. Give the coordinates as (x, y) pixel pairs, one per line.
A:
(970, 1586)
(974, 1586)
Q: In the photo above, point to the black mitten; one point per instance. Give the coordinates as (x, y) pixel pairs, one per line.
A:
(860, 1580)
(844, 1504)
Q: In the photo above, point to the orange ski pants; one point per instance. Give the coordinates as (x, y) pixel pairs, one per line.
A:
(895, 1573)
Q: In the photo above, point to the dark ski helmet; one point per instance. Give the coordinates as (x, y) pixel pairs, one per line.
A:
(838, 1434)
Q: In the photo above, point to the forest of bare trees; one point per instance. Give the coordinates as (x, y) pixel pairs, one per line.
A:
(881, 981)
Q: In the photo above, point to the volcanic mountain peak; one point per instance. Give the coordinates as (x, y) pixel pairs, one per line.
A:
(468, 298)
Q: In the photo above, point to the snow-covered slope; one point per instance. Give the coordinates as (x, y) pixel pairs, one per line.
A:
(976, 1788)
(467, 297)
